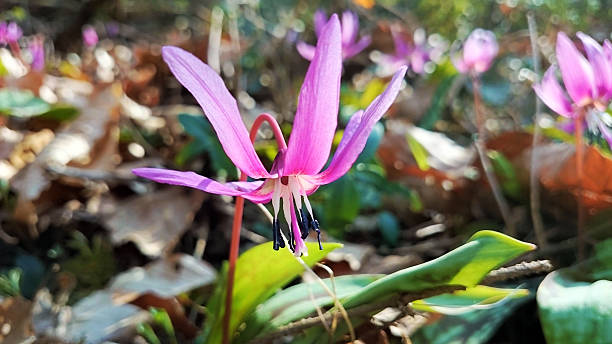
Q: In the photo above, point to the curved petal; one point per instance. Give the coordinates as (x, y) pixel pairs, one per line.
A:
(601, 66)
(551, 93)
(249, 190)
(320, 19)
(350, 28)
(402, 48)
(317, 109)
(358, 130)
(356, 48)
(306, 50)
(218, 105)
(576, 72)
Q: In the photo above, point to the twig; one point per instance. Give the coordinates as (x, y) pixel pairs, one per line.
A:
(502, 274)
(534, 185)
(486, 163)
(519, 270)
(89, 174)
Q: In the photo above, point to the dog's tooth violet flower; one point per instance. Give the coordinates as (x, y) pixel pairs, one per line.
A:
(296, 171)
(477, 54)
(415, 55)
(587, 81)
(90, 36)
(350, 30)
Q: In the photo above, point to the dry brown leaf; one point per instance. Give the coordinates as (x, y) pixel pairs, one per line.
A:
(74, 144)
(108, 314)
(15, 320)
(153, 221)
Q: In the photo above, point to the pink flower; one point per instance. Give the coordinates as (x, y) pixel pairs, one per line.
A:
(350, 30)
(38, 53)
(587, 81)
(479, 50)
(415, 55)
(10, 33)
(90, 37)
(296, 171)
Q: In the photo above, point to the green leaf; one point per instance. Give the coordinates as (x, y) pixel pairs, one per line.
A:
(21, 103)
(372, 143)
(438, 103)
(61, 113)
(260, 272)
(296, 302)
(146, 331)
(389, 228)
(574, 311)
(464, 301)
(507, 174)
(465, 265)
(419, 152)
(162, 319)
(343, 205)
(472, 327)
(575, 303)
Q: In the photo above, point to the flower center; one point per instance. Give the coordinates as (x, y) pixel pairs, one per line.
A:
(290, 189)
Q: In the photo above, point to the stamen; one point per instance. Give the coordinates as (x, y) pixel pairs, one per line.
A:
(304, 227)
(276, 235)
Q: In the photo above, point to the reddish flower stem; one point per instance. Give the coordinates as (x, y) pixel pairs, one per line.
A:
(580, 176)
(237, 223)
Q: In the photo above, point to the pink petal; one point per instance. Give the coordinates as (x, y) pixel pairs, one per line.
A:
(457, 60)
(599, 63)
(551, 93)
(402, 48)
(576, 72)
(479, 50)
(300, 247)
(317, 109)
(306, 50)
(357, 132)
(218, 105)
(356, 48)
(350, 28)
(320, 19)
(248, 190)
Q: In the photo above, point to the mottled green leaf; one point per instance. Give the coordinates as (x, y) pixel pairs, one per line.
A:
(260, 272)
(21, 103)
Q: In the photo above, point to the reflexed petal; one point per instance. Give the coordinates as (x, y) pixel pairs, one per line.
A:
(306, 50)
(218, 105)
(402, 48)
(356, 48)
(248, 190)
(317, 109)
(602, 68)
(576, 72)
(320, 19)
(358, 130)
(551, 93)
(418, 58)
(350, 28)
(479, 50)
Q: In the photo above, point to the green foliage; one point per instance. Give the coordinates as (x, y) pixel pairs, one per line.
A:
(93, 264)
(21, 103)
(161, 321)
(507, 174)
(575, 303)
(299, 301)
(204, 141)
(419, 152)
(464, 266)
(9, 282)
(260, 272)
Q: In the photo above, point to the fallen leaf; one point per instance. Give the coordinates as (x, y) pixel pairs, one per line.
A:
(73, 144)
(15, 320)
(153, 221)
